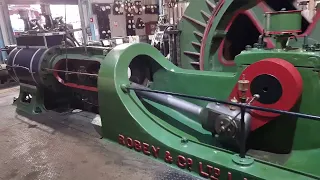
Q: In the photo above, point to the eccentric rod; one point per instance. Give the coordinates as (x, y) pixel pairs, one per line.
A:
(209, 99)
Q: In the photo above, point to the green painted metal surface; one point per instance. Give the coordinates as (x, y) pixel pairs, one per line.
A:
(284, 21)
(305, 145)
(176, 133)
(167, 135)
(36, 106)
(165, 128)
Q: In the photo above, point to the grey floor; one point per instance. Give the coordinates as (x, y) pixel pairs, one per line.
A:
(66, 146)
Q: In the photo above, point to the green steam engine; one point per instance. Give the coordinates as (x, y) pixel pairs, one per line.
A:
(246, 122)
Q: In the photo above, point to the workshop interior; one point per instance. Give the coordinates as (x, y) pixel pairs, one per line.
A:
(214, 89)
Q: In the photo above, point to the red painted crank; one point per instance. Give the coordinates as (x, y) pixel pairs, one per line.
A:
(278, 83)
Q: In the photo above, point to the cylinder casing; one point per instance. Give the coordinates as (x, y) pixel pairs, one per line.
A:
(24, 64)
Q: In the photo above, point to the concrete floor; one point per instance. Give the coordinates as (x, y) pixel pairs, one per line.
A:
(66, 146)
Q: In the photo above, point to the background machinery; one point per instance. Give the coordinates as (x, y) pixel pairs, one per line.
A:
(49, 25)
(36, 36)
(245, 121)
(193, 44)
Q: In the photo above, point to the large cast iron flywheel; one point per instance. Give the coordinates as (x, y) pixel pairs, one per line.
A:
(208, 47)
(243, 29)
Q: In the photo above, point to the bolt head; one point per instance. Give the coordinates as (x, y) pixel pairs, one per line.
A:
(248, 47)
(184, 140)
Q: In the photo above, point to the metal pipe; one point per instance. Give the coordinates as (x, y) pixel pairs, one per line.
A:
(83, 26)
(92, 26)
(174, 14)
(170, 47)
(178, 55)
(168, 100)
(160, 7)
(3, 53)
(242, 133)
(300, 115)
(7, 28)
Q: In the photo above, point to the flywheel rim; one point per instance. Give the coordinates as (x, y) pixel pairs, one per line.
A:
(206, 33)
(199, 57)
(204, 53)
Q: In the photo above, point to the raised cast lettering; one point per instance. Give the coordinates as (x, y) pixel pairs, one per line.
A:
(145, 149)
(189, 163)
(155, 151)
(209, 170)
(137, 145)
(216, 174)
(229, 176)
(181, 162)
(129, 142)
(168, 158)
(201, 172)
(121, 139)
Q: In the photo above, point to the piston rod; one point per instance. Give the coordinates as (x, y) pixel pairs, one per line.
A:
(169, 100)
(218, 119)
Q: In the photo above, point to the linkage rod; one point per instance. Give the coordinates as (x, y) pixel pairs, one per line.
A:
(70, 72)
(243, 134)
